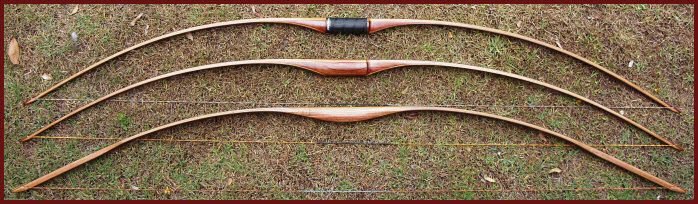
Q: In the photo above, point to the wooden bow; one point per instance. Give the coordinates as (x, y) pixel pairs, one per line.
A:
(372, 25)
(350, 114)
(353, 68)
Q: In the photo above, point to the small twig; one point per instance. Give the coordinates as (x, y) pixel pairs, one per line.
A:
(133, 22)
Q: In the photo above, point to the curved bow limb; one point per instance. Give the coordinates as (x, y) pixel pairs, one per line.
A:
(350, 114)
(381, 65)
(352, 68)
(381, 24)
(356, 26)
(322, 67)
(317, 24)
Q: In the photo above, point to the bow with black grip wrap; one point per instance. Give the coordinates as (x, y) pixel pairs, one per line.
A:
(347, 25)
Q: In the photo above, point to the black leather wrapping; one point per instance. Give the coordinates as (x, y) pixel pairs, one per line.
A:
(347, 25)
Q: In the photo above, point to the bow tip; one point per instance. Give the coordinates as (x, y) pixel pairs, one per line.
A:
(677, 147)
(674, 109)
(20, 189)
(28, 101)
(677, 189)
(26, 139)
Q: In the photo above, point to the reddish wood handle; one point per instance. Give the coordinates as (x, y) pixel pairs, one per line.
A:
(332, 67)
(347, 67)
(345, 114)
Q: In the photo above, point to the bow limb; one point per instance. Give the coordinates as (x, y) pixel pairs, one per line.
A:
(381, 65)
(350, 114)
(317, 24)
(322, 67)
(381, 24)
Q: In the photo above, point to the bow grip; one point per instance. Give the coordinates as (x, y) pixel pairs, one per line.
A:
(347, 25)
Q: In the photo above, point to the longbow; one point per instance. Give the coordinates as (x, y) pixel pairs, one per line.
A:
(350, 114)
(356, 26)
(352, 68)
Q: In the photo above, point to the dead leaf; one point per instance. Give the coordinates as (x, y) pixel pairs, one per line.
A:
(450, 34)
(13, 51)
(46, 77)
(488, 179)
(229, 182)
(167, 190)
(189, 36)
(404, 91)
(133, 22)
(74, 11)
(555, 171)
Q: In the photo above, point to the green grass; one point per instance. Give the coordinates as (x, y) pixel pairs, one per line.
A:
(51, 48)
(633, 32)
(86, 25)
(195, 16)
(496, 46)
(301, 155)
(123, 120)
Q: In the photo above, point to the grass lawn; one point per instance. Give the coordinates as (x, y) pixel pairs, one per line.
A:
(657, 39)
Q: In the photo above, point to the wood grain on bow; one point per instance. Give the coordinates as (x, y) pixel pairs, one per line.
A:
(354, 68)
(350, 114)
(358, 26)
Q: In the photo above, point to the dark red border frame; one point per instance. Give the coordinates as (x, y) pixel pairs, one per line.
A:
(351, 2)
(2, 31)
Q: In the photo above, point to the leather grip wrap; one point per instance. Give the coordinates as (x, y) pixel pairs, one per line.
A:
(347, 25)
